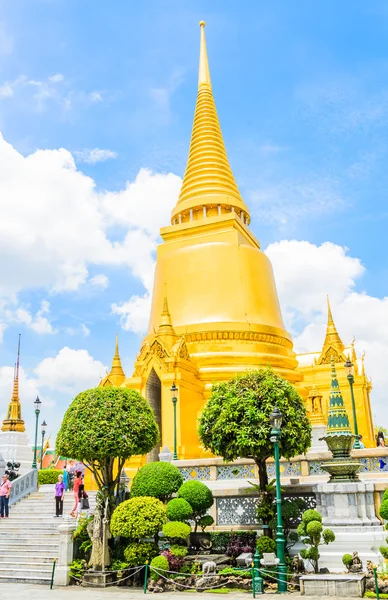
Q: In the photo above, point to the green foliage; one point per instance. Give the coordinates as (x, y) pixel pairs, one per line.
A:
(161, 563)
(384, 551)
(235, 421)
(230, 571)
(205, 521)
(140, 553)
(373, 595)
(313, 535)
(347, 560)
(48, 476)
(138, 517)
(175, 530)
(81, 532)
(384, 510)
(107, 422)
(265, 544)
(385, 495)
(179, 551)
(199, 496)
(311, 515)
(158, 479)
(178, 509)
(119, 565)
(77, 568)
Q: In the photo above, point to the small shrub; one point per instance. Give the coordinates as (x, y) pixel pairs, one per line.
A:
(385, 495)
(178, 509)
(230, 571)
(159, 479)
(137, 554)
(205, 521)
(328, 536)
(175, 530)
(384, 551)
(314, 529)
(313, 536)
(199, 496)
(265, 544)
(347, 560)
(311, 515)
(160, 563)
(118, 565)
(384, 510)
(175, 563)
(138, 517)
(46, 476)
(76, 569)
(180, 551)
(81, 532)
(240, 541)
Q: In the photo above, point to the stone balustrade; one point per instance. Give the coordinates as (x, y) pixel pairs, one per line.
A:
(24, 485)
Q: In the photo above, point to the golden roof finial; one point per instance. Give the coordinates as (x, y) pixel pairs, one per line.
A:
(116, 376)
(332, 341)
(13, 420)
(166, 328)
(208, 179)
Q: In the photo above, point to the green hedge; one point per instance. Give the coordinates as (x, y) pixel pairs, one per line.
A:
(160, 563)
(139, 553)
(48, 476)
(138, 517)
(159, 479)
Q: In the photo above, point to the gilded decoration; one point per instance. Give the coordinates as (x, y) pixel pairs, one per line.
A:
(248, 336)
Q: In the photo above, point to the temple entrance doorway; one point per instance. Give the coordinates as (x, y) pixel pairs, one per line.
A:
(154, 397)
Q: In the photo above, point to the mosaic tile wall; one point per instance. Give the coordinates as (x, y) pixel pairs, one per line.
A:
(369, 465)
(200, 473)
(287, 469)
(235, 471)
(236, 511)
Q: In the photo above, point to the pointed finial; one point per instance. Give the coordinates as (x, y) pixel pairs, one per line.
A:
(15, 393)
(329, 315)
(204, 72)
(117, 346)
(333, 345)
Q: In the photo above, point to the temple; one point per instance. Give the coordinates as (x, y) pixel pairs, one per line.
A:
(215, 310)
(14, 444)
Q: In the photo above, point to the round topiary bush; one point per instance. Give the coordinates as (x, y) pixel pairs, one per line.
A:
(46, 476)
(138, 517)
(159, 479)
(137, 554)
(205, 521)
(197, 495)
(178, 509)
(160, 563)
(175, 530)
(311, 515)
(347, 560)
(265, 544)
(328, 536)
(384, 510)
(314, 528)
(179, 551)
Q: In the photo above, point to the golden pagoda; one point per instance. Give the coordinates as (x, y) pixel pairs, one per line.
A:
(316, 370)
(215, 310)
(116, 376)
(13, 420)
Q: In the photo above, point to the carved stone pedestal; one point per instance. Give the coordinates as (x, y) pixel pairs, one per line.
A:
(97, 579)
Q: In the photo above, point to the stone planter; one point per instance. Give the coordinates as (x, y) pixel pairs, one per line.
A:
(347, 585)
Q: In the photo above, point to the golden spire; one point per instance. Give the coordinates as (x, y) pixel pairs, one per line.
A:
(116, 376)
(333, 345)
(208, 181)
(165, 329)
(13, 420)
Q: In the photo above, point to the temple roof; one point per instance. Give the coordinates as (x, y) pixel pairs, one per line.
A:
(208, 177)
(333, 345)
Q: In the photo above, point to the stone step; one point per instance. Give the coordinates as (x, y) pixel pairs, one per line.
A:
(26, 545)
(25, 573)
(28, 557)
(43, 580)
(41, 567)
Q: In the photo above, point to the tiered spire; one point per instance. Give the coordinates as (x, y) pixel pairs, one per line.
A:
(116, 376)
(333, 345)
(338, 421)
(208, 183)
(13, 420)
(166, 330)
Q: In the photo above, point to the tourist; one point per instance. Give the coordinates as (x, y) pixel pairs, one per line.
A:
(381, 444)
(77, 483)
(361, 442)
(65, 478)
(59, 494)
(5, 490)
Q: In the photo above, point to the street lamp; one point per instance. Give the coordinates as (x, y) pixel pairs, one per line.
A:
(349, 368)
(37, 404)
(276, 419)
(174, 393)
(43, 426)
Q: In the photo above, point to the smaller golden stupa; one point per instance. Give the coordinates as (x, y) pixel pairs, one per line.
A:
(13, 420)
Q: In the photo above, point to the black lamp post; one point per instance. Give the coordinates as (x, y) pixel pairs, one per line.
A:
(174, 398)
(276, 419)
(43, 426)
(349, 368)
(37, 404)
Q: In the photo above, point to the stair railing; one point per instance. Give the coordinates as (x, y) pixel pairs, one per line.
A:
(24, 485)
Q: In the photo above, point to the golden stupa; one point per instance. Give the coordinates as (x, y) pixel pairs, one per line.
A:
(13, 420)
(215, 310)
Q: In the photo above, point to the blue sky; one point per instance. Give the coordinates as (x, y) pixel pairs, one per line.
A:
(302, 98)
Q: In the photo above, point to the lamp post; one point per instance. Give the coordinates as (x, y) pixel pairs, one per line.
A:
(276, 419)
(349, 368)
(37, 404)
(174, 398)
(43, 426)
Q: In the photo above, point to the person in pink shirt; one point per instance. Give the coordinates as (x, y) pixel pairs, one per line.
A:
(5, 490)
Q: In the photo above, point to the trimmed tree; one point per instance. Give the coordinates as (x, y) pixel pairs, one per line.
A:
(200, 498)
(313, 535)
(235, 422)
(104, 427)
(158, 479)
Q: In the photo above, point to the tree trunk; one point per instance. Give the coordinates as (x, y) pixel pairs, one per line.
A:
(263, 477)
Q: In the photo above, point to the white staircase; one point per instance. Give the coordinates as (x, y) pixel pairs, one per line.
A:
(29, 538)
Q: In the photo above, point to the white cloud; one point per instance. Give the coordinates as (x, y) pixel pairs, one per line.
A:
(3, 327)
(135, 313)
(70, 371)
(94, 156)
(38, 322)
(56, 78)
(99, 281)
(304, 274)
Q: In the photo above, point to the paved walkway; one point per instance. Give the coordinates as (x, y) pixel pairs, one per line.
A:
(21, 591)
